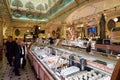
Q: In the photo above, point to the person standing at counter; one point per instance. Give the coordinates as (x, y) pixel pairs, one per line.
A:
(51, 40)
(88, 49)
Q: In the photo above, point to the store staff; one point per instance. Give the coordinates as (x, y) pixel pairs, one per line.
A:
(88, 49)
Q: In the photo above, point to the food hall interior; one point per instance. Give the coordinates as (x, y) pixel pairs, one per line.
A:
(64, 39)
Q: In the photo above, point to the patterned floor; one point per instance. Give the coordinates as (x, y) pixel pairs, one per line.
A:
(6, 72)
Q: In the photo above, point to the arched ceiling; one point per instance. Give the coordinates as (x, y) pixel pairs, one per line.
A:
(4, 13)
(92, 9)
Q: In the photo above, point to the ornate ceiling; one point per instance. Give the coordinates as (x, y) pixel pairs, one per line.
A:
(36, 9)
(4, 13)
(93, 10)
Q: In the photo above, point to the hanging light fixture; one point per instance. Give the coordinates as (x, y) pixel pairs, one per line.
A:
(82, 25)
(28, 31)
(115, 19)
(39, 28)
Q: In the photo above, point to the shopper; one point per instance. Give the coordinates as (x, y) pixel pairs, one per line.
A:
(51, 40)
(17, 56)
(23, 59)
(8, 50)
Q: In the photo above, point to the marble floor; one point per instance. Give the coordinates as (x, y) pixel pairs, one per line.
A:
(6, 72)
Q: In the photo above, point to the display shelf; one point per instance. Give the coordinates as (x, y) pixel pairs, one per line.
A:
(91, 58)
(79, 43)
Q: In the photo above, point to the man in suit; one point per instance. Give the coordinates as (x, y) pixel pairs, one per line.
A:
(9, 51)
(17, 56)
(23, 60)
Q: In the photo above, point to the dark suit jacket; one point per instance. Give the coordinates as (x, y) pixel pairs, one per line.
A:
(17, 54)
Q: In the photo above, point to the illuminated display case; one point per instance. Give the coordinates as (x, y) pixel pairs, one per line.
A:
(55, 63)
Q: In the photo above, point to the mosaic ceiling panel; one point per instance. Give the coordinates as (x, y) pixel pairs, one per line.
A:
(36, 9)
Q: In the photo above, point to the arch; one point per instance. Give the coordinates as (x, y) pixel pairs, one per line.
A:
(89, 9)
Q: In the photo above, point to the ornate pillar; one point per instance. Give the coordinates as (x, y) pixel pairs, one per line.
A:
(1, 38)
(64, 27)
(1, 33)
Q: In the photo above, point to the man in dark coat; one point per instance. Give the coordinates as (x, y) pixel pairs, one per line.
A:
(9, 51)
(17, 56)
(23, 60)
(51, 40)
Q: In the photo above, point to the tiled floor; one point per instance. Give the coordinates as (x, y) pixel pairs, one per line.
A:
(7, 74)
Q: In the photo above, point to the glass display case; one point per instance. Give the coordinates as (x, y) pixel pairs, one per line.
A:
(55, 63)
(78, 43)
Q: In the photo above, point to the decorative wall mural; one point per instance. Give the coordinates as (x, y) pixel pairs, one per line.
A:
(17, 3)
(46, 6)
(40, 7)
(29, 14)
(17, 32)
(49, 3)
(29, 5)
(25, 9)
(17, 13)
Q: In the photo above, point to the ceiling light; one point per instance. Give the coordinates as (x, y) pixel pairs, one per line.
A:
(81, 25)
(115, 19)
(27, 30)
(39, 28)
(105, 14)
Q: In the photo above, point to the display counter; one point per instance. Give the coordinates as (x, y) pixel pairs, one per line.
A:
(55, 63)
(108, 47)
(78, 43)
